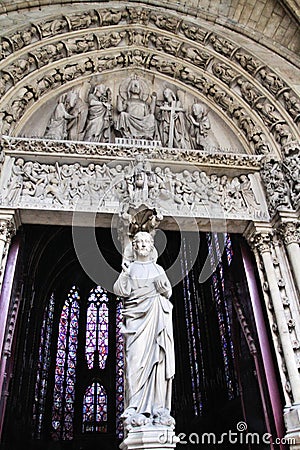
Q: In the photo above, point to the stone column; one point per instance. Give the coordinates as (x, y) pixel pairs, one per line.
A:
(9, 223)
(283, 317)
(289, 228)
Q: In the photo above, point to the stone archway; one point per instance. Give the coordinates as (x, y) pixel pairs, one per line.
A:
(245, 99)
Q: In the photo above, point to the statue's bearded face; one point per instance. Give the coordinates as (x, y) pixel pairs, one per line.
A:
(143, 244)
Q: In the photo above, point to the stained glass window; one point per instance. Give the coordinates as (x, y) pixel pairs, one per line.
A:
(222, 307)
(43, 368)
(95, 409)
(65, 369)
(96, 347)
(193, 328)
(228, 248)
(119, 371)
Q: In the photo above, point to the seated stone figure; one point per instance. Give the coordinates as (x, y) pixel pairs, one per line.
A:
(136, 119)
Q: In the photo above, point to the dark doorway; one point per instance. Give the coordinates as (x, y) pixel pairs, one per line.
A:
(67, 389)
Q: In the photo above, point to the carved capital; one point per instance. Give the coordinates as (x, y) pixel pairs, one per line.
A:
(260, 241)
(7, 229)
(290, 232)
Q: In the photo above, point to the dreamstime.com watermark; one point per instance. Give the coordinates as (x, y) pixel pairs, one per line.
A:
(239, 436)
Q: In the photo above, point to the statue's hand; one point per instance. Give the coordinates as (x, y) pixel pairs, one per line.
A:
(162, 286)
(125, 268)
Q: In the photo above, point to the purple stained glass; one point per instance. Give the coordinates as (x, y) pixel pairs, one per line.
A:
(96, 347)
(43, 368)
(193, 328)
(119, 371)
(95, 409)
(218, 288)
(97, 328)
(228, 248)
(65, 375)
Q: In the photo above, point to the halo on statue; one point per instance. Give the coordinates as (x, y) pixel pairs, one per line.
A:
(124, 88)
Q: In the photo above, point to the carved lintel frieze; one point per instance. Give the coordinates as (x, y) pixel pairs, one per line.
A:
(135, 182)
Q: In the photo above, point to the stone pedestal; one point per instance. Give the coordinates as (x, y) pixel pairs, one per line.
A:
(150, 438)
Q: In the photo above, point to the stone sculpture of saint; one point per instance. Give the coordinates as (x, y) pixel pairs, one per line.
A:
(57, 126)
(99, 119)
(200, 125)
(136, 119)
(173, 123)
(148, 334)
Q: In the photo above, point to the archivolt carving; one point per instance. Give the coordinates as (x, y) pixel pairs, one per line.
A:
(281, 181)
(201, 54)
(64, 186)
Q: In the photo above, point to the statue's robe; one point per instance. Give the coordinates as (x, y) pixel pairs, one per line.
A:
(148, 332)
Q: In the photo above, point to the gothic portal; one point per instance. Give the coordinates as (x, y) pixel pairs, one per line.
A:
(180, 120)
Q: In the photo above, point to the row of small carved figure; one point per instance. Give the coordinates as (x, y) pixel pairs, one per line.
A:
(136, 182)
(136, 115)
(142, 16)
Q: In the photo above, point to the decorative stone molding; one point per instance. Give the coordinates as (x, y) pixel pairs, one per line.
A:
(9, 222)
(210, 157)
(11, 324)
(94, 19)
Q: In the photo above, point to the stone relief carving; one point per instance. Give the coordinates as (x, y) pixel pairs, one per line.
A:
(89, 42)
(292, 104)
(63, 185)
(247, 61)
(290, 167)
(277, 189)
(29, 94)
(99, 116)
(224, 72)
(173, 122)
(137, 115)
(57, 127)
(271, 81)
(200, 124)
(211, 157)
